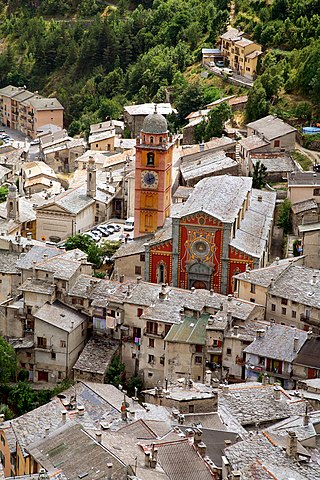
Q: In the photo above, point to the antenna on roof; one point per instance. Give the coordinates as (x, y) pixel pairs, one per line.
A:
(155, 108)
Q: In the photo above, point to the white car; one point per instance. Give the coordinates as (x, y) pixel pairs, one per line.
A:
(227, 71)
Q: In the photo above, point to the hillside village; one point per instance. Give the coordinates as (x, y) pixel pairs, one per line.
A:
(192, 349)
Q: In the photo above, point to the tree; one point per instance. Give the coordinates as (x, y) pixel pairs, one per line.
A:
(3, 193)
(284, 218)
(257, 105)
(22, 398)
(8, 362)
(83, 242)
(109, 247)
(213, 127)
(259, 175)
(116, 372)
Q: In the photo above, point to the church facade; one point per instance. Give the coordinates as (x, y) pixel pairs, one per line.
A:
(224, 226)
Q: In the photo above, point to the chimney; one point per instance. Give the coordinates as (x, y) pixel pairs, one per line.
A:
(64, 415)
(292, 444)
(109, 472)
(29, 236)
(2, 416)
(181, 315)
(259, 198)
(197, 436)
(98, 437)
(236, 330)
(46, 431)
(154, 457)
(208, 377)
(201, 147)
(121, 279)
(227, 443)
(265, 379)
(236, 475)
(202, 449)
(295, 344)
(163, 292)
(192, 289)
(260, 333)
(229, 297)
(139, 280)
(138, 140)
(314, 279)
(211, 293)
(80, 410)
(225, 388)
(276, 393)
(272, 283)
(147, 458)
(306, 418)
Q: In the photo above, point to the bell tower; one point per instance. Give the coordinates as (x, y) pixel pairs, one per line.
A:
(13, 203)
(91, 178)
(153, 175)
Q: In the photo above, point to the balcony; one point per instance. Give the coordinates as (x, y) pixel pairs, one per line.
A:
(309, 320)
(153, 333)
(214, 349)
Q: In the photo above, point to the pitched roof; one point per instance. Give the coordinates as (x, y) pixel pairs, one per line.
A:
(96, 356)
(301, 179)
(271, 127)
(60, 316)
(208, 164)
(74, 200)
(278, 342)
(309, 353)
(191, 330)
(304, 206)
(300, 284)
(221, 197)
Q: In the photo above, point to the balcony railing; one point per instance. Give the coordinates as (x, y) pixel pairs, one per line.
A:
(214, 349)
(153, 333)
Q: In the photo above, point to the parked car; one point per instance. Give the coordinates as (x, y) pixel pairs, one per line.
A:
(110, 228)
(227, 71)
(316, 168)
(36, 141)
(103, 231)
(116, 227)
(93, 236)
(220, 63)
(129, 225)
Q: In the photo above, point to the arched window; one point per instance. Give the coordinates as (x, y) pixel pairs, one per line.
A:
(151, 139)
(144, 138)
(161, 273)
(160, 140)
(150, 159)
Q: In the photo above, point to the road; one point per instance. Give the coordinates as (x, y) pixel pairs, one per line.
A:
(312, 154)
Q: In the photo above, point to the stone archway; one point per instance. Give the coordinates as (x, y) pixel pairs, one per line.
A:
(199, 276)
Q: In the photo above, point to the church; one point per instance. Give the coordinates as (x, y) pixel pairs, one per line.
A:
(224, 227)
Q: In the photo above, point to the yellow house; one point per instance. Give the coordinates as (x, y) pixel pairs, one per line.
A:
(240, 53)
(102, 141)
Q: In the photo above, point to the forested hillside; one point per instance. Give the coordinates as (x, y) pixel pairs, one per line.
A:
(96, 56)
(97, 62)
(289, 31)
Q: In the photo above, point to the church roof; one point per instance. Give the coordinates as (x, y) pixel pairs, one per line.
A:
(155, 123)
(220, 197)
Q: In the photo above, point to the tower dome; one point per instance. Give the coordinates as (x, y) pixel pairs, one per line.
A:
(155, 123)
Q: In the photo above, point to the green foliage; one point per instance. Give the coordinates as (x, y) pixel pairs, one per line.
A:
(8, 363)
(6, 411)
(83, 242)
(3, 193)
(284, 217)
(259, 175)
(257, 105)
(109, 247)
(215, 124)
(303, 160)
(22, 397)
(99, 274)
(132, 383)
(94, 255)
(116, 372)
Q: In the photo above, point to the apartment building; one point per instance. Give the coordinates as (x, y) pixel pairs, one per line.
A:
(241, 53)
(27, 111)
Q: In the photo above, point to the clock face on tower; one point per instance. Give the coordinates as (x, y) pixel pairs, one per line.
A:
(149, 179)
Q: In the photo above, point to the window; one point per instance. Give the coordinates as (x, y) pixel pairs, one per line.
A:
(152, 328)
(139, 312)
(316, 191)
(229, 351)
(23, 365)
(284, 301)
(252, 300)
(150, 158)
(261, 360)
(150, 374)
(277, 143)
(151, 359)
(28, 354)
(62, 343)
(198, 360)
(191, 408)
(283, 311)
(151, 342)
(142, 257)
(151, 139)
(167, 329)
(199, 348)
(294, 314)
(161, 360)
(42, 342)
(273, 307)
(253, 288)
(137, 270)
(53, 355)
